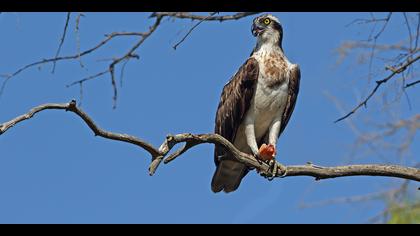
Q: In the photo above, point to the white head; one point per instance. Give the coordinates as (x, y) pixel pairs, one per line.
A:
(267, 29)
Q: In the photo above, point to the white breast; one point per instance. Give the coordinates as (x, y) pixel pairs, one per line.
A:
(267, 105)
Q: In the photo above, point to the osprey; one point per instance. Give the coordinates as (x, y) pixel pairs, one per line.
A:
(256, 104)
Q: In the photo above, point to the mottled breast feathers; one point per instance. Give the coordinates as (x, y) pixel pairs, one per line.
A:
(235, 101)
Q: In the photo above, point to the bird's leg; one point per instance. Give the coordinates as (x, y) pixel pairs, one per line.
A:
(273, 169)
(250, 138)
(270, 149)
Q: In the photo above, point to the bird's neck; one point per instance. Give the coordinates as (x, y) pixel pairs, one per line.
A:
(268, 47)
(268, 44)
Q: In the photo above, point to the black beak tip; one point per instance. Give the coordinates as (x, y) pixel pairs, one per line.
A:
(254, 32)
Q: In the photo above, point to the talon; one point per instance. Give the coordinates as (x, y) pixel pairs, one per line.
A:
(257, 157)
(273, 167)
(284, 174)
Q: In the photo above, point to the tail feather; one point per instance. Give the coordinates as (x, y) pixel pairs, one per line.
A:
(228, 176)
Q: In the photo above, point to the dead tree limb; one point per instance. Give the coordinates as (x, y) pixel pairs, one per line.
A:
(161, 154)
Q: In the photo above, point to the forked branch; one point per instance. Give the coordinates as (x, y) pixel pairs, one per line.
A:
(122, 59)
(394, 71)
(161, 154)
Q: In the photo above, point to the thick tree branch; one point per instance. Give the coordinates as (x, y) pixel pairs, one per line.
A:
(71, 106)
(192, 140)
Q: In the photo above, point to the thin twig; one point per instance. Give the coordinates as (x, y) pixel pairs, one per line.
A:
(88, 78)
(128, 55)
(410, 36)
(386, 21)
(78, 55)
(63, 37)
(81, 93)
(412, 84)
(192, 28)
(417, 31)
(188, 15)
(394, 71)
(77, 31)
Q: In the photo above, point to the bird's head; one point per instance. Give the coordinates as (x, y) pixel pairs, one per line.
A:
(267, 28)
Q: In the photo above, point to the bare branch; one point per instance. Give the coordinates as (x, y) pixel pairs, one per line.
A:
(71, 106)
(410, 36)
(158, 15)
(368, 21)
(128, 55)
(63, 37)
(412, 84)
(78, 55)
(386, 21)
(192, 28)
(88, 78)
(187, 15)
(81, 94)
(349, 45)
(394, 71)
(77, 31)
(70, 57)
(417, 31)
(192, 140)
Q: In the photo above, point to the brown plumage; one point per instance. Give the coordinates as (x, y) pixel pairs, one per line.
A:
(274, 65)
(294, 82)
(234, 102)
(256, 104)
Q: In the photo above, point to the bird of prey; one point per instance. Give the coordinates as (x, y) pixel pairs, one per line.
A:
(256, 104)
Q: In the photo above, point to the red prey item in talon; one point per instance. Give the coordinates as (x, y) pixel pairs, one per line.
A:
(267, 152)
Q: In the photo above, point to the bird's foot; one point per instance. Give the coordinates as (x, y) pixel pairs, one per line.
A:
(272, 171)
(267, 154)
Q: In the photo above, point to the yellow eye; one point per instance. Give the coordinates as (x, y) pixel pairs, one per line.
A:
(267, 21)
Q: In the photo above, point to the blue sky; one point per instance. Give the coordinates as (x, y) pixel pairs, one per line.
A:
(53, 170)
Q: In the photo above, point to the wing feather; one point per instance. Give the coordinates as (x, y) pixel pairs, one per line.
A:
(293, 90)
(234, 102)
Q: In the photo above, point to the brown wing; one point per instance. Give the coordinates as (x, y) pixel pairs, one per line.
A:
(294, 81)
(234, 102)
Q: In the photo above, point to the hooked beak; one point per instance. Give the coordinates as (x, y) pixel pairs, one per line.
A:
(256, 31)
